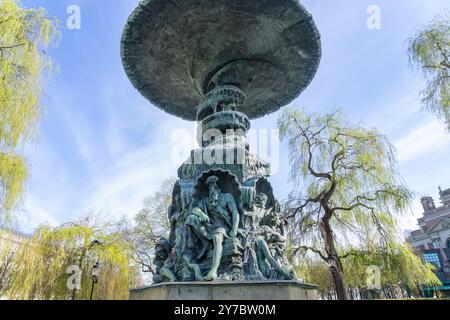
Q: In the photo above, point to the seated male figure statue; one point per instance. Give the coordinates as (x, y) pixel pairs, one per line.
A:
(214, 218)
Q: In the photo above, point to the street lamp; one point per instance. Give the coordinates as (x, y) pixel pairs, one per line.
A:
(83, 253)
(95, 273)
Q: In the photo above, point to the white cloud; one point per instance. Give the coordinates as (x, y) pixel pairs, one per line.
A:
(120, 188)
(34, 215)
(81, 133)
(114, 184)
(421, 142)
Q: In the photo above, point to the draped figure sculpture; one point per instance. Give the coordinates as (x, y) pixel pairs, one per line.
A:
(213, 219)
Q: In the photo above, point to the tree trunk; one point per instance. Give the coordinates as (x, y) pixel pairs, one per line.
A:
(333, 258)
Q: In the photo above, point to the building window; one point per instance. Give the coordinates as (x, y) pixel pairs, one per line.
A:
(432, 258)
(436, 243)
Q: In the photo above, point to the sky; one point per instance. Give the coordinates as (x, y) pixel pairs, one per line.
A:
(104, 148)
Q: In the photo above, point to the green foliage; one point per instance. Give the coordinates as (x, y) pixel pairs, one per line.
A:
(400, 268)
(13, 174)
(398, 264)
(41, 264)
(429, 51)
(353, 195)
(8, 246)
(349, 173)
(317, 272)
(24, 37)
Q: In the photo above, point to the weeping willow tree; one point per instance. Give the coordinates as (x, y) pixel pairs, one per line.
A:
(348, 189)
(399, 267)
(429, 51)
(402, 273)
(9, 242)
(24, 36)
(57, 263)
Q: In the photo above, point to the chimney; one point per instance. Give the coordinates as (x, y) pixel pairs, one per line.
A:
(427, 204)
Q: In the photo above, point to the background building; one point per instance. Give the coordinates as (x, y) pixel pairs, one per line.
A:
(432, 240)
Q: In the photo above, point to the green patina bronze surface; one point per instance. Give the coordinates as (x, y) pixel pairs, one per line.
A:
(176, 51)
(221, 62)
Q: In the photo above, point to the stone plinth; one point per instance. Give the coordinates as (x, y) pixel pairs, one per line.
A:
(226, 290)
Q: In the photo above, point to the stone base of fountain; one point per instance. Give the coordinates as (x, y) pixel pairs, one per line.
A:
(227, 290)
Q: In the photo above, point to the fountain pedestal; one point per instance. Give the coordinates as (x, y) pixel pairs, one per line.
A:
(222, 63)
(246, 290)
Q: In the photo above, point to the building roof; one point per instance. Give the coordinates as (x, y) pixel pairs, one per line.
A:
(445, 192)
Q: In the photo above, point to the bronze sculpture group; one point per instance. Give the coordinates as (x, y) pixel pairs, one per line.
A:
(211, 239)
